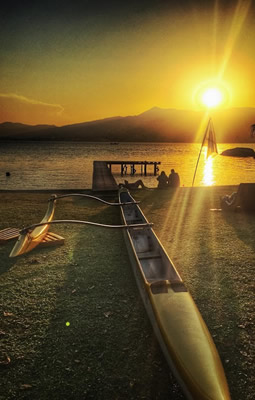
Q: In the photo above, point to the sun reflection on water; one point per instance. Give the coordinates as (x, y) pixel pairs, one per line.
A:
(208, 175)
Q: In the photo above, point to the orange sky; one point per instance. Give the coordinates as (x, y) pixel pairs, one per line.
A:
(76, 64)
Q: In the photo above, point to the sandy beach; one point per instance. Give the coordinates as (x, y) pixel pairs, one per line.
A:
(72, 323)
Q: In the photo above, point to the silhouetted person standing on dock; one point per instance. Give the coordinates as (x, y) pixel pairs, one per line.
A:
(174, 179)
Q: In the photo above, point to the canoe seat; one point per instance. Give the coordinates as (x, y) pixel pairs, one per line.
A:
(162, 285)
(147, 255)
(178, 286)
(135, 221)
(159, 286)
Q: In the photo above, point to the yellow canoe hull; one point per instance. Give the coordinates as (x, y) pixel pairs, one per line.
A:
(180, 329)
(188, 345)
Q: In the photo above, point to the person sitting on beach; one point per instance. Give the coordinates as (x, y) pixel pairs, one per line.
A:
(174, 179)
(228, 201)
(162, 180)
(133, 185)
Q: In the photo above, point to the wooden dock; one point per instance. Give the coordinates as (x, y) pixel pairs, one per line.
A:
(102, 177)
(142, 165)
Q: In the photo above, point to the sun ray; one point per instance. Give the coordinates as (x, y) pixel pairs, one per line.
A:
(201, 129)
(174, 220)
(214, 35)
(239, 17)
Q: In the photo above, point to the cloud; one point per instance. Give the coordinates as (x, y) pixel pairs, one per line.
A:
(12, 96)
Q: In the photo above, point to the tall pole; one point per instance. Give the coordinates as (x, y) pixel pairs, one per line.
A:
(207, 128)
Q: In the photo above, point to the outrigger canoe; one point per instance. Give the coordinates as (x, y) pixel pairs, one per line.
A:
(28, 240)
(177, 322)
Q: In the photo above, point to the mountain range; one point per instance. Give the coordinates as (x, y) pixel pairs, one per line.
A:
(155, 125)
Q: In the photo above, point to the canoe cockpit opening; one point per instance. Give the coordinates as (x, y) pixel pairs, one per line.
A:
(142, 242)
(154, 269)
(132, 216)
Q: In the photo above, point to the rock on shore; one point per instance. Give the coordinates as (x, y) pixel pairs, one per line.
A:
(239, 152)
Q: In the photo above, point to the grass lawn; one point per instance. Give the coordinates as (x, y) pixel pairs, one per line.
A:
(72, 324)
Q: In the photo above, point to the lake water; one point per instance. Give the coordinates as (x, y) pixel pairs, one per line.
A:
(69, 165)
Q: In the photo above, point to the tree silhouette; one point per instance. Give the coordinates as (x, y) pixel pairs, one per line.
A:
(252, 130)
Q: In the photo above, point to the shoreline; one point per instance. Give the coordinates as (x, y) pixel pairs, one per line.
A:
(90, 189)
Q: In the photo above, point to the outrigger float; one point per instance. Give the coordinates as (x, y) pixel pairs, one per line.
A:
(180, 329)
(32, 235)
(28, 240)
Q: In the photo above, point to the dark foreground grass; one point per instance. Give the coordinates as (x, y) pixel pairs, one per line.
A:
(108, 349)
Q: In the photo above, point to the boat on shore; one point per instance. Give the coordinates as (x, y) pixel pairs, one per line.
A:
(27, 239)
(180, 329)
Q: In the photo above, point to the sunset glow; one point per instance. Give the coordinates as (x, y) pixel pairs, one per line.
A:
(212, 97)
(77, 64)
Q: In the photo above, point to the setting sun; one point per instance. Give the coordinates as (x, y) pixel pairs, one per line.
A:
(212, 97)
(212, 93)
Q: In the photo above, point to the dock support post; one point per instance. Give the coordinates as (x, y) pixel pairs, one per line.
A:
(123, 169)
(145, 168)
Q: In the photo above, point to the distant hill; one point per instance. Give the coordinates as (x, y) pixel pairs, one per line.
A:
(13, 130)
(154, 125)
